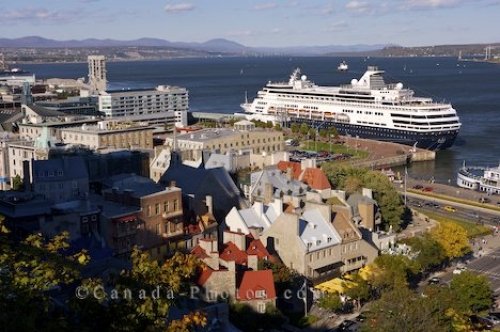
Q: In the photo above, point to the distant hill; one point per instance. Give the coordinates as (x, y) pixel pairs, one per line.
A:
(214, 45)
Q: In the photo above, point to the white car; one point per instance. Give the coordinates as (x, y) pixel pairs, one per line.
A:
(459, 270)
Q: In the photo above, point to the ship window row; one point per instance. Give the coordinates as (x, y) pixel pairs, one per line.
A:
(371, 123)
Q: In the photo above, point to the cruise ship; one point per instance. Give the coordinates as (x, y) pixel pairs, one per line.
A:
(365, 108)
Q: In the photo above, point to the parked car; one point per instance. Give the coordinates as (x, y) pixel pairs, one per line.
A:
(348, 325)
(449, 208)
(434, 281)
(459, 270)
(418, 186)
(480, 323)
(427, 189)
(494, 320)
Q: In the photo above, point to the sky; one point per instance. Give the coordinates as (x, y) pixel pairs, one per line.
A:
(275, 23)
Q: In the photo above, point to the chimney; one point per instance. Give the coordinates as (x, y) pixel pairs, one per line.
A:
(253, 262)
(268, 193)
(239, 239)
(172, 184)
(289, 173)
(210, 204)
(367, 193)
(255, 232)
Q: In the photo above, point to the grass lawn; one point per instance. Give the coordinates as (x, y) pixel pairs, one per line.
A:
(472, 229)
(333, 148)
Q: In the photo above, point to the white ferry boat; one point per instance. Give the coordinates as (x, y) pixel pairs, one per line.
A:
(365, 108)
(343, 66)
(489, 182)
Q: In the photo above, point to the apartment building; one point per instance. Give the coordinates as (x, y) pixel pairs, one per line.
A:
(163, 104)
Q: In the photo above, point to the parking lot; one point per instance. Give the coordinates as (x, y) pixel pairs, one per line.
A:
(321, 156)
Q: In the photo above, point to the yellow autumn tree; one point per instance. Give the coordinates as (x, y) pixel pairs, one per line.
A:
(453, 239)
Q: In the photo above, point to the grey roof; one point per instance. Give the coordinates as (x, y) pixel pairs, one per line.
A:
(45, 112)
(140, 185)
(59, 169)
(356, 198)
(279, 181)
(111, 209)
(316, 231)
(219, 160)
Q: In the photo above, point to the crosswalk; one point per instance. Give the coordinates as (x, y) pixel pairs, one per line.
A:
(488, 265)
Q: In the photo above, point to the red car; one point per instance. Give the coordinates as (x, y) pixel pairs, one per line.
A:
(427, 189)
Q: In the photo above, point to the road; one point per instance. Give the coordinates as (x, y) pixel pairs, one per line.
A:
(464, 212)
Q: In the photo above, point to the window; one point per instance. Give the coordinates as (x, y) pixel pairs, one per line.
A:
(176, 205)
(260, 294)
(166, 206)
(157, 208)
(149, 210)
(262, 308)
(158, 229)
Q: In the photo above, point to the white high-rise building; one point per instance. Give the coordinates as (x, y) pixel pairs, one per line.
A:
(97, 73)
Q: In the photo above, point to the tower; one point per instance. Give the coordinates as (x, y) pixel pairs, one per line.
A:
(97, 73)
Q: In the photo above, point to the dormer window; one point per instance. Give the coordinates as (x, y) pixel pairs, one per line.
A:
(318, 242)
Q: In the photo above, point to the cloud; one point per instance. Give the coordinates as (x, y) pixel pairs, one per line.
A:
(358, 6)
(432, 3)
(337, 26)
(179, 7)
(265, 6)
(41, 15)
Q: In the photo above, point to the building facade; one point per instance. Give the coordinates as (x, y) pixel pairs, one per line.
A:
(110, 135)
(223, 140)
(162, 105)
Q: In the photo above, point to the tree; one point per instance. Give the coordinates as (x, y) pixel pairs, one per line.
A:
(357, 289)
(31, 268)
(430, 252)
(295, 128)
(28, 270)
(394, 271)
(400, 309)
(323, 133)
(472, 292)
(352, 184)
(312, 133)
(388, 199)
(304, 129)
(17, 183)
(333, 132)
(331, 301)
(277, 126)
(453, 239)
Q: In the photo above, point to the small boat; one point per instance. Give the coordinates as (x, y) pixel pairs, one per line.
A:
(343, 66)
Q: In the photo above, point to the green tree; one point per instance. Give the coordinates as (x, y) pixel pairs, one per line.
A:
(352, 184)
(333, 132)
(277, 127)
(331, 301)
(400, 309)
(31, 268)
(395, 270)
(304, 129)
(472, 292)
(312, 133)
(388, 199)
(28, 270)
(295, 128)
(323, 133)
(430, 253)
(17, 183)
(358, 289)
(453, 238)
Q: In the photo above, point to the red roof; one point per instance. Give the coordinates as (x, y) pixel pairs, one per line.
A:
(199, 252)
(285, 165)
(204, 276)
(315, 178)
(256, 285)
(257, 248)
(230, 252)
